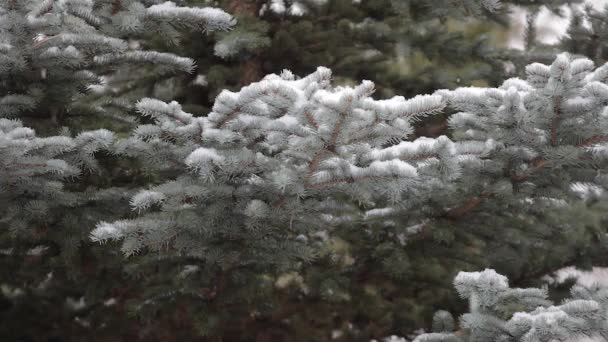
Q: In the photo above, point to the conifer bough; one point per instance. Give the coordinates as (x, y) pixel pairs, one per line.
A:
(285, 159)
(244, 199)
(273, 161)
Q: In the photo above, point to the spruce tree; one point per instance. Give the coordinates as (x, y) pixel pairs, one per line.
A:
(252, 187)
(288, 168)
(585, 34)
(55, 187)
(297, 208)
(558, 112)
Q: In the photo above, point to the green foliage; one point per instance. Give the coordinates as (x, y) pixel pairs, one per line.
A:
(58, 64)
(500, 313)
(406, 47)
(292, 208)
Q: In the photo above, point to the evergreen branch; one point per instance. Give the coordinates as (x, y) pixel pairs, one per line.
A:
(468, 206)
(331, 145)
(423, 156)
(537, 163)
(591, 140)
(311, 120)
(43, 41)
(228, 117)
(116, 6)
(350, 180)
(314, 163)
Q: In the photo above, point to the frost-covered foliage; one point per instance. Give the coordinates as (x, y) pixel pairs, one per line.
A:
(543, 130)
(59, 66)
(500, 313)
(549, 130)
(43, 218)
(536, 138)
(546, 128)
(53, 52)
(34, 169)
(278, 153)
(31, 174)
(246, 193)
(249, 186)
(293, 204)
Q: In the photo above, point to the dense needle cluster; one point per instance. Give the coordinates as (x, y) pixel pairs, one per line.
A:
(296, 205)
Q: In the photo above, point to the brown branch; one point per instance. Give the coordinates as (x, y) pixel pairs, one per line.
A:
(420, 157)
(348, 180)
(255, 141)
(210, 293)
(243, 7)
(557, 111)
(473, 202)
(334, 134)
(313, 164)
(311, 120)
(431, 130)
(470, 205)
(592, 140)
(456, 212)
(116, 6)
(538, 164)
(597, 260)
(279, 202)
(251, 70)
(228, 117)
(42, 41)
(329, 147)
